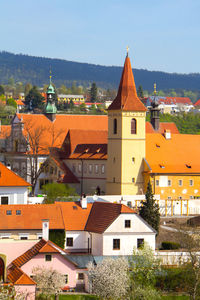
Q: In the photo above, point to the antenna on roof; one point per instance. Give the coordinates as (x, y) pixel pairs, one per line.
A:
(50, 74)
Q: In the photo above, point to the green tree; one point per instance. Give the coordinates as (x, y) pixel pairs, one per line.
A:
(11, 102)
(140, 92)
(27, 88)
(34, 99)
(143, 270)
(2, 92)
(149, 209)
(55, 191)
(93, 92)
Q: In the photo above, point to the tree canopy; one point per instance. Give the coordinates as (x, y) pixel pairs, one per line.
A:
(149, 209)
(93, 92)
(55, 191)
(34, 99)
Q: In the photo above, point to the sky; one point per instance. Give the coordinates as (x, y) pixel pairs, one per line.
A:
(162, 35)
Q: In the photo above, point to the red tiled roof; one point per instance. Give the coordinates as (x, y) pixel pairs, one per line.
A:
(197, 103)
(90, 151)
(75, 137)
(127, 99)
(52, 134)
(9, 178)
(102, 215)
(18, 277)
(74, 216)
(31, 216)
(163, 126)
(180, 154)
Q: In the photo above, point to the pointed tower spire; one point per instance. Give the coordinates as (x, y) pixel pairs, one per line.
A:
(127, 99)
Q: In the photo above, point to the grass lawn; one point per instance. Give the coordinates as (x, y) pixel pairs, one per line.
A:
(175, 297)
(77, 297)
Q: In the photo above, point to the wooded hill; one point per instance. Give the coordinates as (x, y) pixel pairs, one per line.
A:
(25, 68)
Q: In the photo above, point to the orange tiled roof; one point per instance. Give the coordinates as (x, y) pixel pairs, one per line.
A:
(18, 277)
(197, 103)
(9, 178)
(127, 99)
(163, 126)
(90, 151)
(47, 248)
(74, 216)
(53, 133)
(5, 131)
(103, 214)
(31, 216)
(19, 102)
(75, 137)
(180, 154)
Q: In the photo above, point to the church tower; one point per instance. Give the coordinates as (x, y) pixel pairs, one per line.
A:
(50, 109)
(126, 138)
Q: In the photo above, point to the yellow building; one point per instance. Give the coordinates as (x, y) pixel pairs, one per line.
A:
(126, 138)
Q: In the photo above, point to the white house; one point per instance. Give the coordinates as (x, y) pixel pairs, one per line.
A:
(13, 188)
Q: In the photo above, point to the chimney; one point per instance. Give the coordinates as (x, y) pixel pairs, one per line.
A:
(167, 134)
(45, 229)
(83, 201)
(155, 118)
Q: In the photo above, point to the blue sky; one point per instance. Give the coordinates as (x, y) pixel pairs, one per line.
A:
(161, 34)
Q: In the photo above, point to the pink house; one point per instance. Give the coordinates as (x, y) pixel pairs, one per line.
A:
(44, 254)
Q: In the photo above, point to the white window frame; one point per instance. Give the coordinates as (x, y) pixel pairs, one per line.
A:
(23, 235)
(5, 235)
(96, 169)
(102, 169)
(39, 235)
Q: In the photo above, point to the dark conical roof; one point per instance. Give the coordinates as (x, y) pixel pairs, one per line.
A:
(127, 99)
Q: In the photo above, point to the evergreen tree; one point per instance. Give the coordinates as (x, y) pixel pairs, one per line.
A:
(140, 92)
(93, 92)
(149, 210)
(34, 99)
(2, 92)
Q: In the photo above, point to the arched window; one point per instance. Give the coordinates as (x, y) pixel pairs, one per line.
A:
(2, 268)
(133, 126)
(115, 126)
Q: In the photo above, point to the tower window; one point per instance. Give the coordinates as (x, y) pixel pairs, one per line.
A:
(133, 126)
(133, 179)
(115, 126)
(133, 159)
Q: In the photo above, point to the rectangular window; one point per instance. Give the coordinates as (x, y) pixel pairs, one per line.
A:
(102, 169)
(169, 197)
(133, 159)
(127, 223)
(96, 169)
(48, 257)
(23, 238)
(129, 204)
(116, 244)
(157, 182)
(133, 180)
(180, 197)
(4, 200)
(180, 182)
(169, 182)
(140, 243)
(18, 212)
(9, 212)
(191, 182)
(191, 197)
(66, 278)
(80, 276)
(70, 242)
(90, 168)
(79, 168)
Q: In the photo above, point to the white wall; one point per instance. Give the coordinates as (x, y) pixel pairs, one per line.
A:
(128, 236)
(80, 239)
(97, 244)
(16, 195)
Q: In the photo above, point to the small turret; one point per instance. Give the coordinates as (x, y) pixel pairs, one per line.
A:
(50, 109)
(155, 112)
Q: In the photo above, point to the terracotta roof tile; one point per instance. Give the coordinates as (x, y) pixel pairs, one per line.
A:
(31, 216)
(47, 248)
(53, 133)
(163, 126)
(18, 277)
(75, 217)
(4, 131)
(197, 103)
(9, 178)
(103, 214)
(180, 154)
(89, 151)
(127, 99)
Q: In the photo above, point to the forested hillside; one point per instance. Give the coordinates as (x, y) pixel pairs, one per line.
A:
(35, 70)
